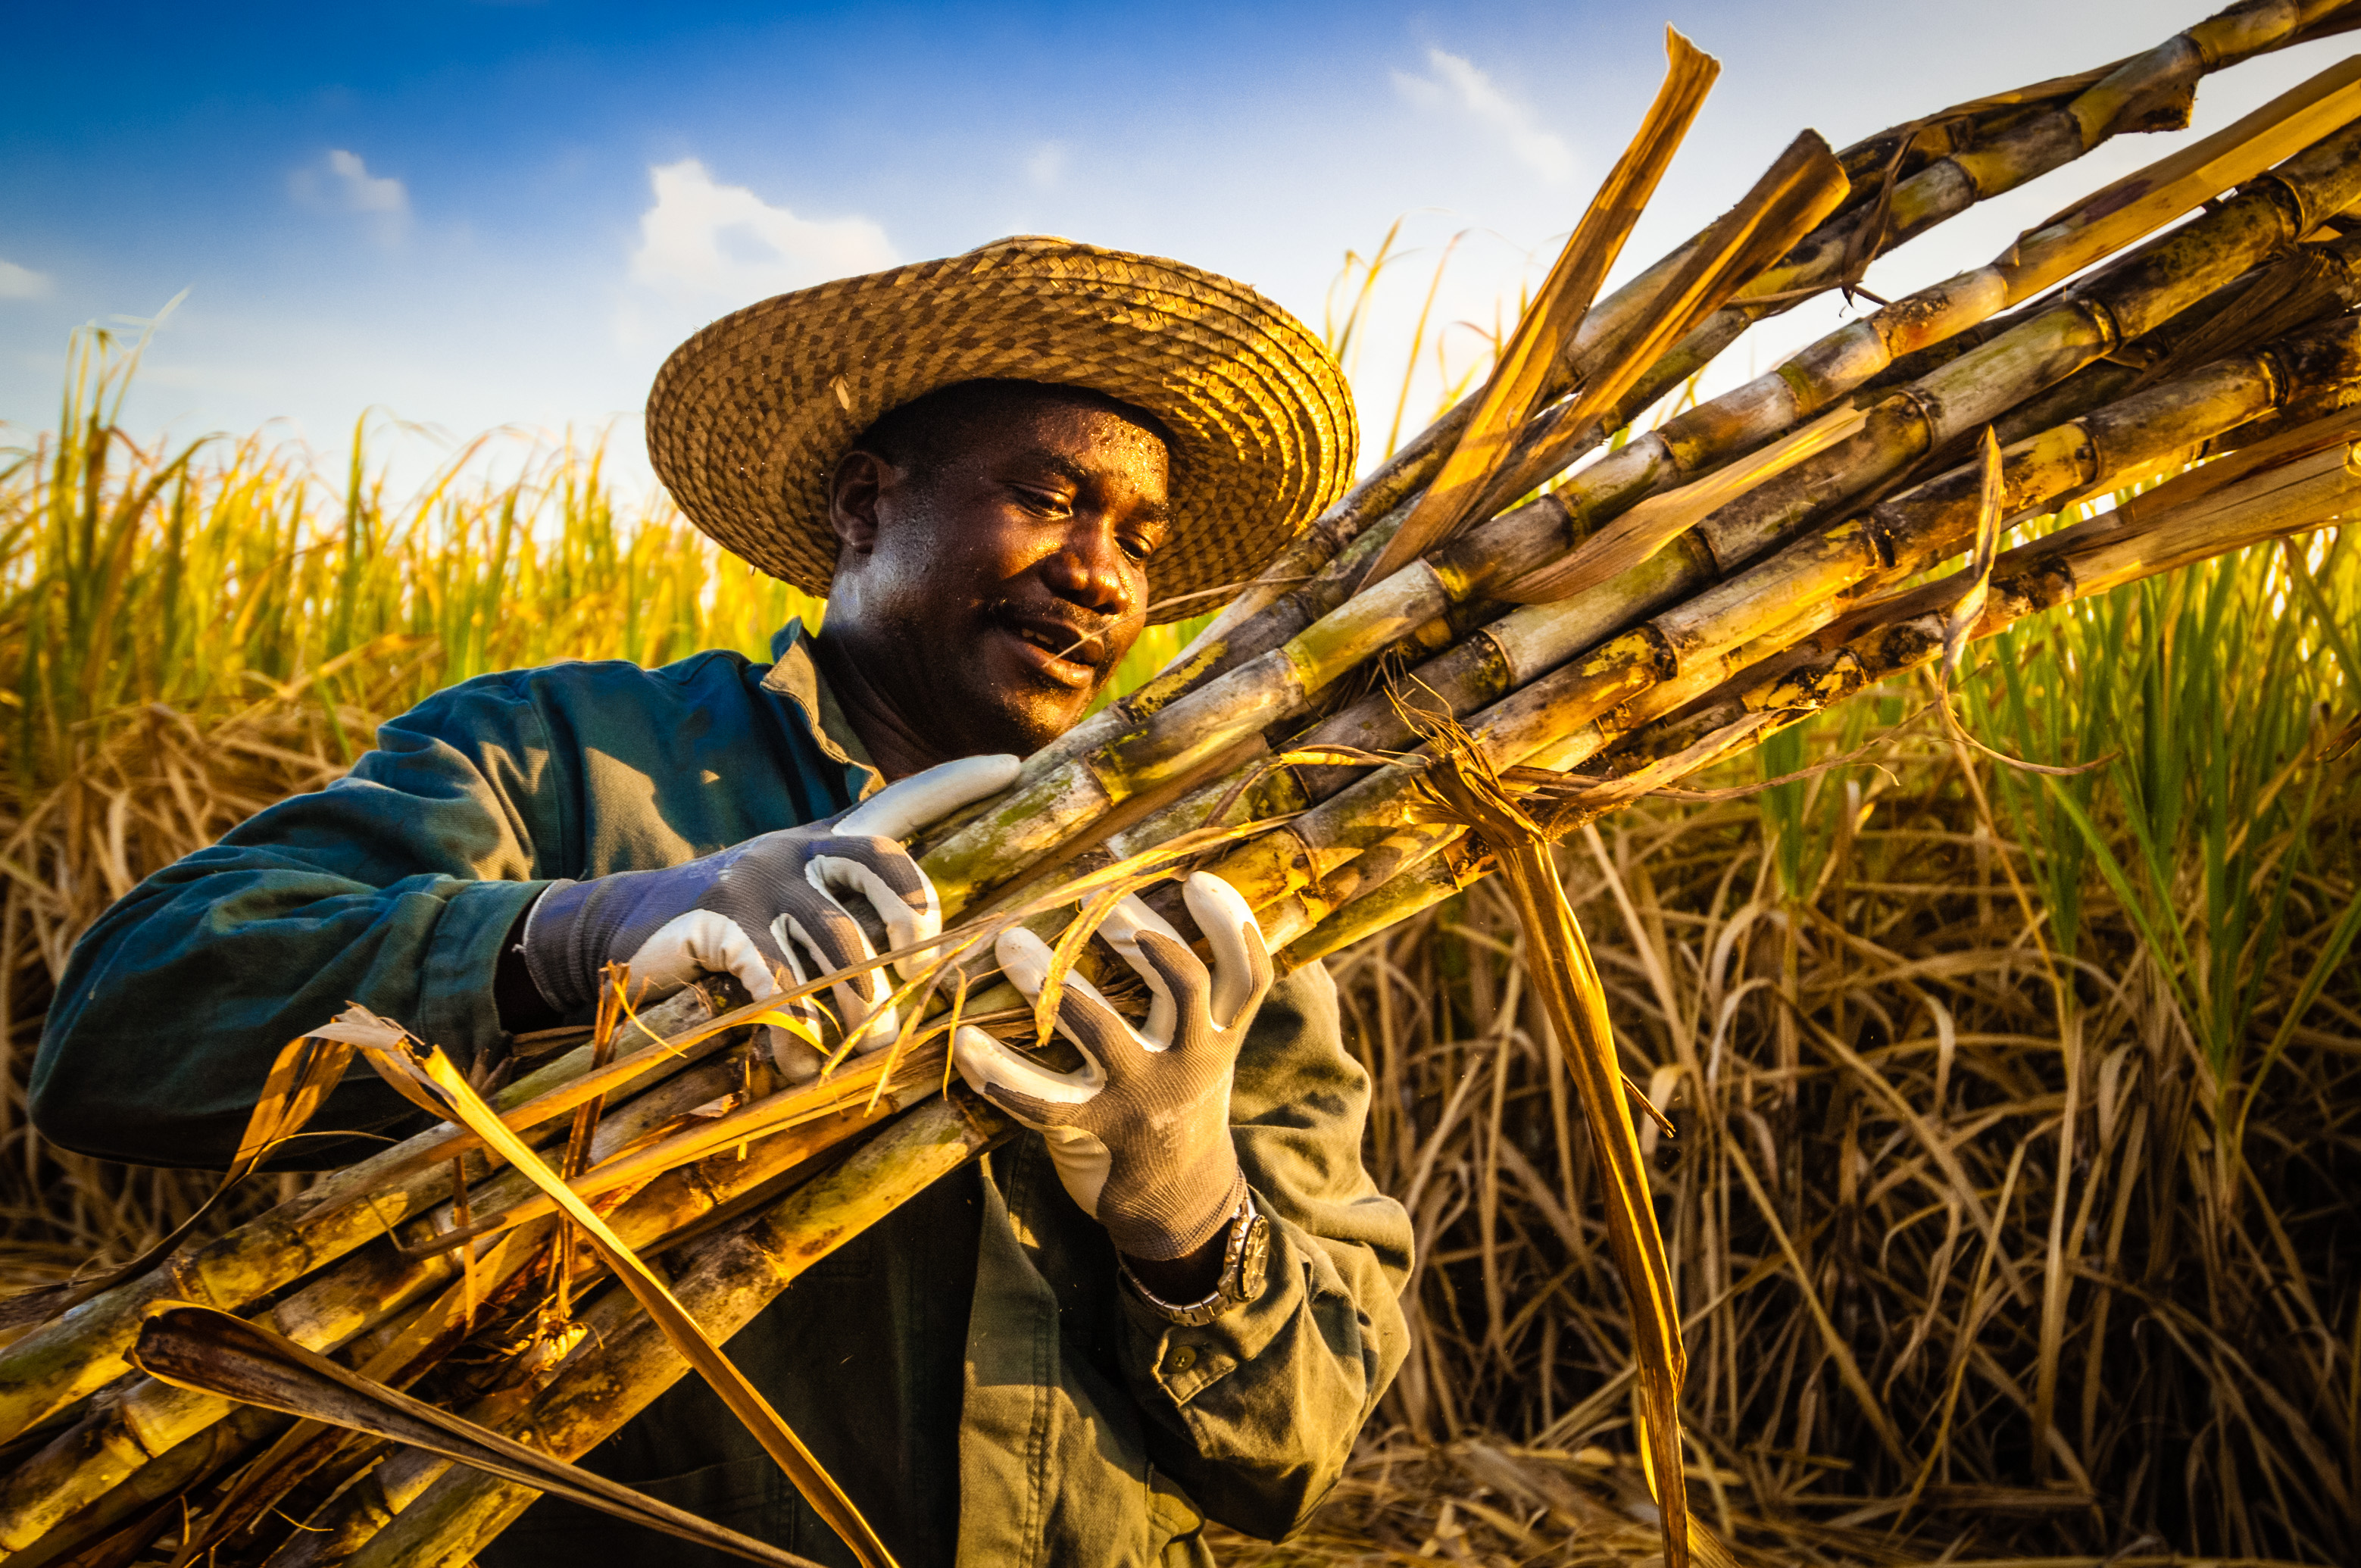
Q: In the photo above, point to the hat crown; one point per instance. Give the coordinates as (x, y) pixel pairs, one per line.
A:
(749, 418)
(1028, 242)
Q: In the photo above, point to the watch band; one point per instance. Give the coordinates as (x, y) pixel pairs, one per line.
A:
(1246, 1259)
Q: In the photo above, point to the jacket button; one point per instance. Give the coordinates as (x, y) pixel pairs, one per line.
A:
(1183, 1359)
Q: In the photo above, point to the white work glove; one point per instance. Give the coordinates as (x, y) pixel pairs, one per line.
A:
(760, 909)
(1140, 1135)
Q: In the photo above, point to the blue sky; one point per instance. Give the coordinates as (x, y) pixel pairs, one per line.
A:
(471, 216)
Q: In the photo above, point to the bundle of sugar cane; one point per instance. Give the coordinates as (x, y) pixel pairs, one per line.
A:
(1436, 678)
(420, 1508)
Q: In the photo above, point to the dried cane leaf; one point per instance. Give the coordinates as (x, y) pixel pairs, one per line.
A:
(1968, 608)
(1965, 612)
(356, 1026)
(430, 1079)
(1063, 957)
(285, 1462)
(912, 1028)
(1557, 957)
(614, 996)
(1798, 191)
(1519, 380)
(220, 1353)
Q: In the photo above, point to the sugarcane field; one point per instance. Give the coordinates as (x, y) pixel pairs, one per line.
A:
(1654, 860)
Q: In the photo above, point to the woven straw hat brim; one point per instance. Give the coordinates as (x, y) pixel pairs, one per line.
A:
(749, 418)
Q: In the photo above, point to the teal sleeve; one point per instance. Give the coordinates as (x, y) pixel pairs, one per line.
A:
(1257, 1412)
(393, 888)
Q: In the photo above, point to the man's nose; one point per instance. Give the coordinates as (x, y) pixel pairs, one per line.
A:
(1088, 569)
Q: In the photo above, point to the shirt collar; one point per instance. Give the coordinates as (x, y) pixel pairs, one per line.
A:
(795, 676)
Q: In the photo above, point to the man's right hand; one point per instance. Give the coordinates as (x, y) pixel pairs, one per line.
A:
(761, 910)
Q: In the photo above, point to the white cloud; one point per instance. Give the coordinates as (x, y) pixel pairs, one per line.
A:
(23, 283)
(1459, 85)
(1047, 166)
(364, 192)
(341, 182)
(724, 243)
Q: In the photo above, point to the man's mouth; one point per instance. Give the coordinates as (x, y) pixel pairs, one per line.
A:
(1065, 654)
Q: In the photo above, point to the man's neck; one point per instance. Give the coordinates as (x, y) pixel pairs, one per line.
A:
(894, 744)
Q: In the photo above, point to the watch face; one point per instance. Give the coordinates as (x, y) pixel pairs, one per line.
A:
(1255, 1260)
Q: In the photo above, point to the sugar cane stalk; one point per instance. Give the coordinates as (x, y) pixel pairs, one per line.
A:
(2160, 427)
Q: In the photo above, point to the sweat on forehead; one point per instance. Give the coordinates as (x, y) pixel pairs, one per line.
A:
(919, 436)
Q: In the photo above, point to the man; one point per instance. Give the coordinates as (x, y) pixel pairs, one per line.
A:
(998, 467)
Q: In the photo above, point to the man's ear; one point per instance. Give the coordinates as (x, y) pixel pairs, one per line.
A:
(852, 495)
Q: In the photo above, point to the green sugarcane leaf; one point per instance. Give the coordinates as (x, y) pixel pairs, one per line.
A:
(2119, 881)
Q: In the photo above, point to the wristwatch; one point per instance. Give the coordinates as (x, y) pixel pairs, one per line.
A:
(1245, 1261)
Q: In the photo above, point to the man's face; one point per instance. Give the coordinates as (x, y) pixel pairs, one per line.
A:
(989, 594)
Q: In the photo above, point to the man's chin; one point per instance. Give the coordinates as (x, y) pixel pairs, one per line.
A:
(1025, 705)
(1020, 722)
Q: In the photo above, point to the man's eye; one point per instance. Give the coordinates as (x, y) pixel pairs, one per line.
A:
(1139, 547)
(1047, 503)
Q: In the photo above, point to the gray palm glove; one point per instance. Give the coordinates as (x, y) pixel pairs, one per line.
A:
(761, 909)
(1140, 1135)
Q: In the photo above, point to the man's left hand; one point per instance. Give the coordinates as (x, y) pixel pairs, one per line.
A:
(1141, 1134)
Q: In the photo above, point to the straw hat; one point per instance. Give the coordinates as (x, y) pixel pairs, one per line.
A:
(749, 417)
